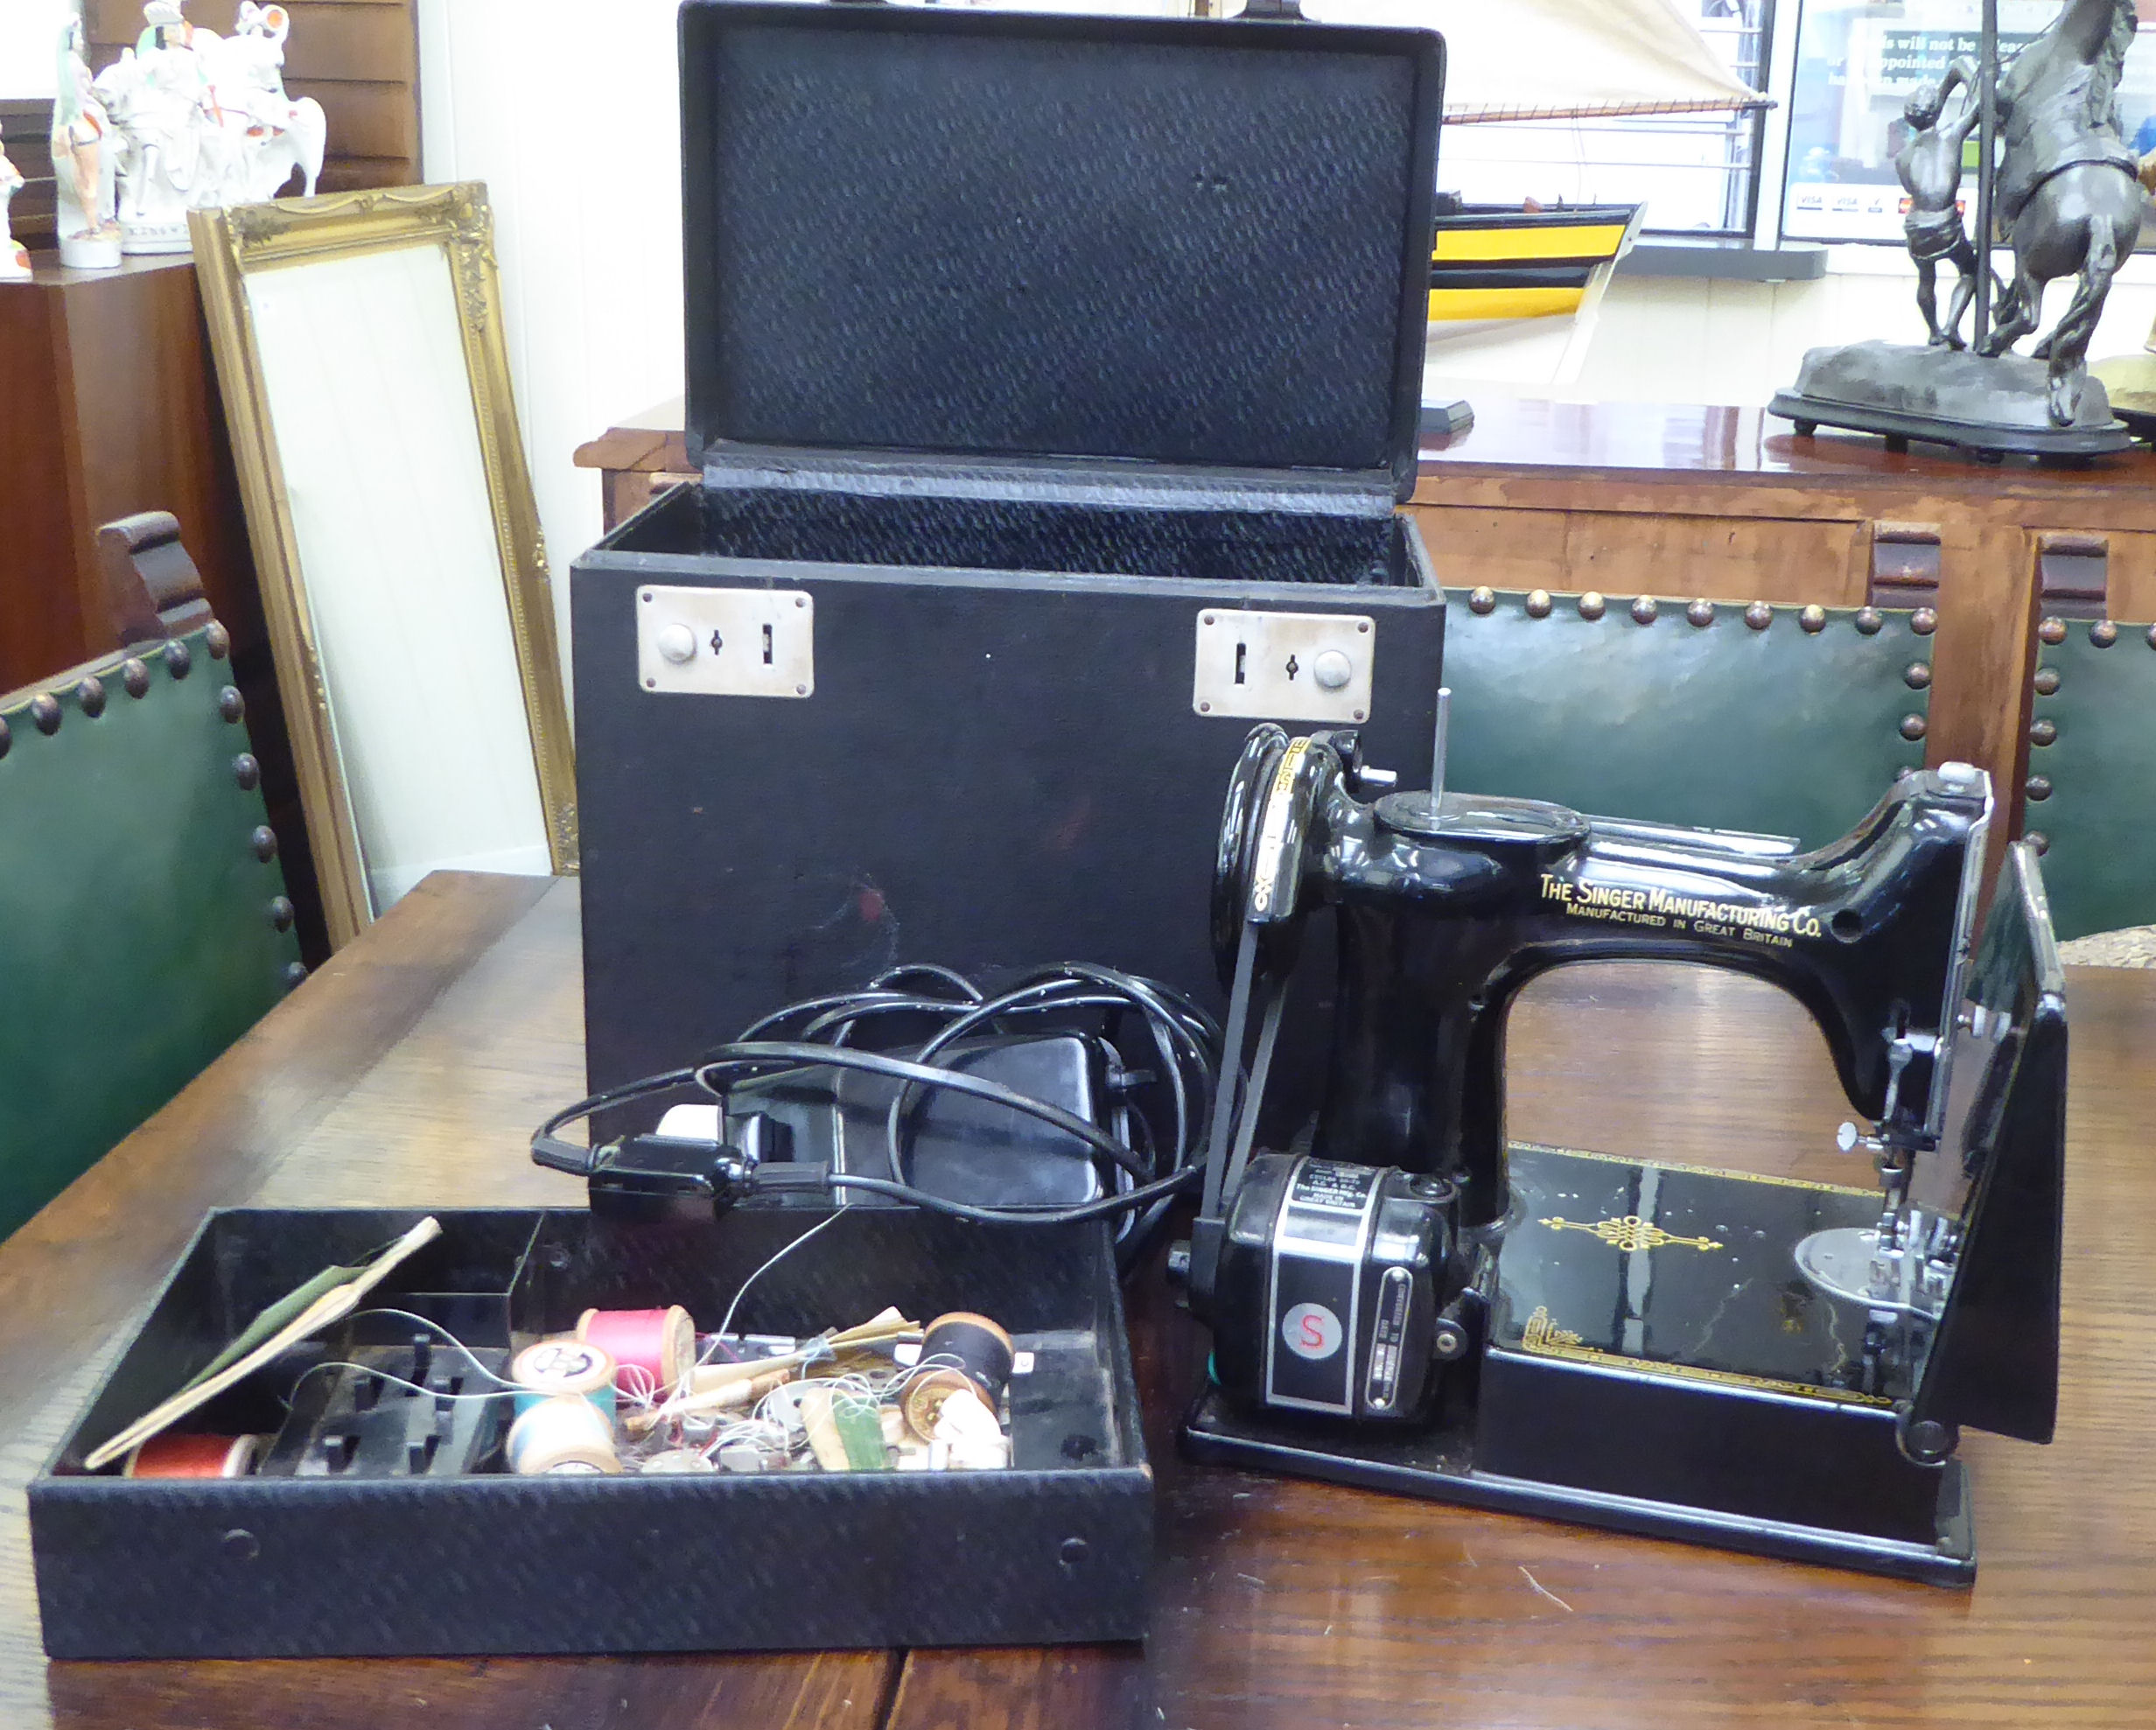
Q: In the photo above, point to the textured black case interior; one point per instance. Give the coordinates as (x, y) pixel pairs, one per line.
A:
(1065, 534)
(1171, 240)
(1056, 1548)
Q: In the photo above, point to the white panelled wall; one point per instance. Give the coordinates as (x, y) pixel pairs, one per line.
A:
(570, 113)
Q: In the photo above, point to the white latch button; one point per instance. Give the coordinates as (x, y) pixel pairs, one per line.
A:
(1332, 671)
(678, 643)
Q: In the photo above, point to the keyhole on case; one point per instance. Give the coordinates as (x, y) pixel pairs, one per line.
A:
(766, 645)
(1293, 669)
(1241, 649)
(718, 642)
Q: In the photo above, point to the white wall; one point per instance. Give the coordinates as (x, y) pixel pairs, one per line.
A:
(571, 114)
(1677, 340)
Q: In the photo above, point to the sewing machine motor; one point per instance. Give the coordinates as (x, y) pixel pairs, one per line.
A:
(1774, 1365)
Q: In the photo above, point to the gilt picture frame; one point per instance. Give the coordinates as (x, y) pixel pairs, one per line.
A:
(359, 344)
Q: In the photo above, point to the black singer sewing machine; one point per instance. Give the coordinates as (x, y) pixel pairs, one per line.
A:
(1778, 1366)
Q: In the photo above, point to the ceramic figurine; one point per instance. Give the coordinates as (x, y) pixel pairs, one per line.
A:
(282, 135)
(205, 120)
(14, 257)
(84, 160)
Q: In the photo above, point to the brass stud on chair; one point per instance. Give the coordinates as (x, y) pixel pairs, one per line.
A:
(1924, 621)
(91, 695)
(1813, 619)
(178, 658)
(295, 975)
(134, 677)
(45, 711)
(2038, 788)
(264, 842)
(7, 735)
(247, 772)
(1916, 675)
(1592, 605)
(230, 703)
(1869, 619)
(2052, 631)
(1759, 615)
(1644, 611)
(1913, 727)
(1483, 602)
(2040, 841)
(2043, 733)
(2151, 636)
(2047, 681)
(2103, 634)
(1700, 612)
(1538, 603)
(280, 914)
(218, 641)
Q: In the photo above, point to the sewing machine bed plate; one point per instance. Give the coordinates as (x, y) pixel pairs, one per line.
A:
(1655, 1364)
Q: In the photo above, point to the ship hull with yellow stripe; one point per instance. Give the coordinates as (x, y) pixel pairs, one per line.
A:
(1489, 262)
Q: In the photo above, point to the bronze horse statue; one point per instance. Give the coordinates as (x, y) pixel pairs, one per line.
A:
(2065, 193)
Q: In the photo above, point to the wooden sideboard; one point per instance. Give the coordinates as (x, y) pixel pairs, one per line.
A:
(1679, 501)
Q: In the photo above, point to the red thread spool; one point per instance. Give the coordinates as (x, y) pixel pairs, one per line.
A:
(193, 1457)
(660, 1342)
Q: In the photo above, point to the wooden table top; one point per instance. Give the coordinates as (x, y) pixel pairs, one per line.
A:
(410, 1072)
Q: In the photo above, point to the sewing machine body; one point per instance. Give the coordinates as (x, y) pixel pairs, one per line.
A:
(1775, 1365)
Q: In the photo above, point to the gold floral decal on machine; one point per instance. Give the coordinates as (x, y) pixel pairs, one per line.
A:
(1631, 1232)
(1542, 1334)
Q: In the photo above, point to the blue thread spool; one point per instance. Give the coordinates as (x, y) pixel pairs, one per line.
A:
(550, 1368)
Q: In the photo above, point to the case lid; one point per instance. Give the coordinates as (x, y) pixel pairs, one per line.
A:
(996, 235)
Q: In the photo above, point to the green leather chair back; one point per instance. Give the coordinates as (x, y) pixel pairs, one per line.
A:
(1781, 720)
(2091, 787)
(143, 925)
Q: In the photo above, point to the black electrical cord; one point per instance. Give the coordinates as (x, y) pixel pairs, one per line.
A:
(1185, 1041)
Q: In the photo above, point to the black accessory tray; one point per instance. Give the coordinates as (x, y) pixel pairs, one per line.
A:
(1056, 1548)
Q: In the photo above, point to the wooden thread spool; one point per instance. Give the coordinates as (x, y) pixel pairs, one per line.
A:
(551, 1367)
(170, 1456)
(563, 1433)
(984, 1356)
(660, 1342)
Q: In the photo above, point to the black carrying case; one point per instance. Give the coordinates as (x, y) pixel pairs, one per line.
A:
(1058, 1547)
(1016, 343)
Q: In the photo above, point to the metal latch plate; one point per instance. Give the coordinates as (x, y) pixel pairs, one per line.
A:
(1283, 666)
(726, 642)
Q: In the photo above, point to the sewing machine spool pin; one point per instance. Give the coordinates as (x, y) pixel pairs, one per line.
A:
(1412, 1305)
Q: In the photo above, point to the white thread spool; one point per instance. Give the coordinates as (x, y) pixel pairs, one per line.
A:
(548, 1368)
(565, 1433)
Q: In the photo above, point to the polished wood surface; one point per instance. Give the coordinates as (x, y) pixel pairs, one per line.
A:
(411, 1070)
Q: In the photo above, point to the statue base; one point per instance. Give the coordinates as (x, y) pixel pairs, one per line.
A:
(90, 252)
(1990, 406)
(153, 240)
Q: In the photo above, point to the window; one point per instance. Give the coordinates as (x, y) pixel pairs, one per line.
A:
(1698, 174)
(1857, 63)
